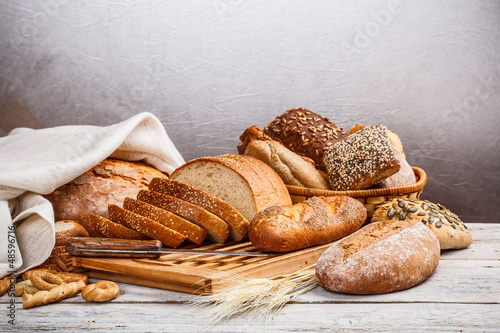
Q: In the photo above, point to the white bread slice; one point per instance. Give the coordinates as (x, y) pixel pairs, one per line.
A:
(246, 183)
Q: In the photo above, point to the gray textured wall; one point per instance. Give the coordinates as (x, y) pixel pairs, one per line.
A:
(429, 70)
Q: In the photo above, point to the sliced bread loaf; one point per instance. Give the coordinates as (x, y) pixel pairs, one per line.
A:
(238, 224)
(246, 183)
(145, 226)
(217, 229)
(193, 233)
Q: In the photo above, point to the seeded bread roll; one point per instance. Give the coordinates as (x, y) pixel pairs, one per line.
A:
(316, 221)
(246, 183)
(145, 226)
(305, 133)
(217, 229)
(361, 160)
(104, 227)
(238, 224)
(66, 229)
(109, 182)
(193, 233)
(381, 257)
(451, 232)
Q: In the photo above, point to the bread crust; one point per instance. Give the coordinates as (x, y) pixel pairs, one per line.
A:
(381, 257)
(109, 182)
(318, 220)
(67, 229)
(107, 228)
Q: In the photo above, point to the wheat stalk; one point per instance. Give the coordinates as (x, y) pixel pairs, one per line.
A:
(259, 299)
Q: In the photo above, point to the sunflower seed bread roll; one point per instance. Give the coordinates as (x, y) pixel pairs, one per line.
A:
(451, 232)
(381, 257)
(305, 133)
(361, 160)
(316, 221)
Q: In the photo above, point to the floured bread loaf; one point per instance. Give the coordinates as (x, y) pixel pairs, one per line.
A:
(451, 232)
(109, 182)
(246, 183)
(361, 160)
(381, 257)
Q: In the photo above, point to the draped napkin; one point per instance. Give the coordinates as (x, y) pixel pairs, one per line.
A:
(36, 162)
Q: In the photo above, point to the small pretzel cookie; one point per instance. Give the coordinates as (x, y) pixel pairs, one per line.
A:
(45, 280)
(102, 291)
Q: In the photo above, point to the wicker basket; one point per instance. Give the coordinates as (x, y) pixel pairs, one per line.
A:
(370, 197)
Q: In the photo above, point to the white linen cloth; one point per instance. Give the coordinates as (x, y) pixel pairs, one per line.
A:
(35, 162)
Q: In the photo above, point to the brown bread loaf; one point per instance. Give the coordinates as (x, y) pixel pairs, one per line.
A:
(318, 220)
(109, 182)
(247, 184)
(305, 133)
(217, 229)
(451, 232)
(238, 224)
(145, 226)
(380, 258)
(193, 233)
(361, 160)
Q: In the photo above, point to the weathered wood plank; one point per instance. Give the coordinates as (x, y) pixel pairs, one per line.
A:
(393, 317)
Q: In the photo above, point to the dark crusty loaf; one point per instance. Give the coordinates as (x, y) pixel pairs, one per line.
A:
(109, 182)
(104, 227)
(361, 160)
(145, 226)
(451, 232)
(193, 233)
(217, 229)
(318, 220)
(305, 133)
(292, 168)
(247, 184)
(380, 258)
(238, 224)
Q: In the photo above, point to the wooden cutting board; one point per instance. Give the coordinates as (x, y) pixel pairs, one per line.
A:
(197, 274)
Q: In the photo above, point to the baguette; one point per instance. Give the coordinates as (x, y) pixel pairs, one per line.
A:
(217, 229)
(193, 233)
(145, 226)
(238, 224)
(318, 220)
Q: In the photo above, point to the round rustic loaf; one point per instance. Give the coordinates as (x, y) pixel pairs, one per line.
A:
(109, 182)
(381, 257)
(246, 183)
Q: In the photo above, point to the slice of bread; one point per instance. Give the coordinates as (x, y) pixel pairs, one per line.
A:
(246, 183)
(145, 226)
(193, 233)
(217, 229)
(107, 228)
(238, 224)
(67, 229)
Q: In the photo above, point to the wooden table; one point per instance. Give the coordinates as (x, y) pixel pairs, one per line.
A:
(463, 295)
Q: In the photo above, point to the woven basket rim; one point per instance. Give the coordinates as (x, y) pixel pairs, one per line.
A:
(376, 192)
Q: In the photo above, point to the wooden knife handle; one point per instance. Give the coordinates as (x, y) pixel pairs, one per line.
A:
(90, 246)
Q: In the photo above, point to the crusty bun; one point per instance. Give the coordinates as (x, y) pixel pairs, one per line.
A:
(109, 182)
(381, 257)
